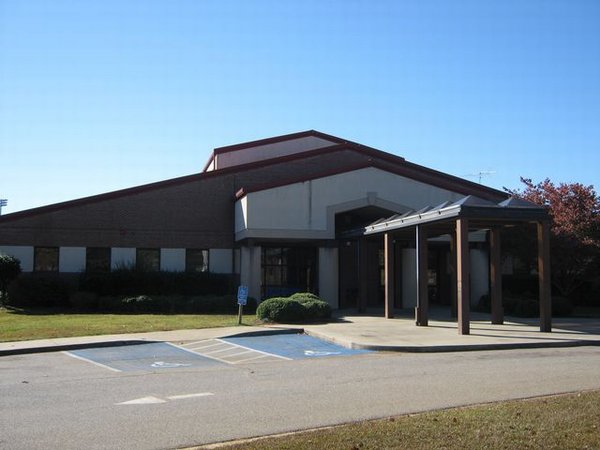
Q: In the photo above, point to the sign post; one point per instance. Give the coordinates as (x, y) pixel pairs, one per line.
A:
(242, 299)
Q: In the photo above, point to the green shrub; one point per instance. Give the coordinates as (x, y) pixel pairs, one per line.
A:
(139, 303)
(304, 297)
(10, 268)
(38, 291)
(317, 309)
(296, 308)
(281, 309)
(85, 301)
(181, 304)
(128, 281)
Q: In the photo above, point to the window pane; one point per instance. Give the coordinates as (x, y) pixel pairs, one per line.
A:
(148, 259)
(46, 259)
(196, 260)
(286, 270)
(272, 256)
(97, 259)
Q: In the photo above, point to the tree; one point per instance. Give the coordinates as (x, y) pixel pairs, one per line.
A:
(575, 224)
(10, 268)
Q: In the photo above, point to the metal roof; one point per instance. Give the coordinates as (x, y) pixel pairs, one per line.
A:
(510, 210)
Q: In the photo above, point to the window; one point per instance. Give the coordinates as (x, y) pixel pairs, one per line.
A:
(97, 259)
(286, 270)
(196, 260)
(147, 259)
(45, 259)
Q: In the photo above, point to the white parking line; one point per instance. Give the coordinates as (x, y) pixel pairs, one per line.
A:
(251, 359)
(257, 351)
(91, 361)
(180, 397)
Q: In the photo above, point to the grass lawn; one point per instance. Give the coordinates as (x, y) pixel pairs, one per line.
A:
(560, 422)
(41, 324)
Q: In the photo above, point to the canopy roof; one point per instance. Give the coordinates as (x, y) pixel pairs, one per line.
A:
(482, 214)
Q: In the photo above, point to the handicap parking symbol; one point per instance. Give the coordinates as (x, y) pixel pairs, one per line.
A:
(167, 365)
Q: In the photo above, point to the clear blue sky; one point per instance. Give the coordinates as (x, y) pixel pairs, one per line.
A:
(101, 95)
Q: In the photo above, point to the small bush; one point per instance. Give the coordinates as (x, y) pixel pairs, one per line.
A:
(85, 301)
(281, 309)
(297, 308)
(304, 297)
(10, 268)
(317, 309)
(38, 291)
(139, 303)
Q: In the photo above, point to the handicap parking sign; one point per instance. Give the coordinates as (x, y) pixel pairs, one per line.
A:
(242, 296)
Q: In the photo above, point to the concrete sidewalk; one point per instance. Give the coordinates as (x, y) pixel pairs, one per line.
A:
(364, 331)
(374, 332)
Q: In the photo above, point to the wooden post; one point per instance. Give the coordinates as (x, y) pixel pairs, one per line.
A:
(453, 306)
(389, 269)
(422, 310)
(363, 288)
(543, 238)
(496, 277)
(240, 314)
(462, 275)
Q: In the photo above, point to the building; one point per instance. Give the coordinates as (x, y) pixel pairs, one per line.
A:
(305, 211)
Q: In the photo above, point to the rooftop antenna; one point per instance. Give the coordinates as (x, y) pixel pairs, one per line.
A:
(480, 174)
(3, 202)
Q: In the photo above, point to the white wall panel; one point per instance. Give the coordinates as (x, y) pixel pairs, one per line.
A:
(309, 207)
(328, 276)
(250, 274)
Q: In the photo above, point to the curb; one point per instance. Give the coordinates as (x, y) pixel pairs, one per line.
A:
(66, 347)
(451, 348)
(121, 342)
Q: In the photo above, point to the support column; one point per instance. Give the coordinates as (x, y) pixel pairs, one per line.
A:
(422, 310)
(462, 275)
(389, 275)
(496, 277)
(363, 288)
(453, 305)
(543, 238)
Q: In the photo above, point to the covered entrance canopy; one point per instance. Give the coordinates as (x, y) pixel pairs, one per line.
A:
(456, 220)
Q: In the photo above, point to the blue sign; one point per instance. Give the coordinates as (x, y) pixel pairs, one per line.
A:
(242, 296)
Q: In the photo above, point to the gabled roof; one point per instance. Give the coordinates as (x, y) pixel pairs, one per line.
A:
(375, 158)
(335, 141)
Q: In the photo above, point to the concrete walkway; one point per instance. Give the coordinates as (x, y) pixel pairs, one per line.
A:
(364, 331)
(401, 334)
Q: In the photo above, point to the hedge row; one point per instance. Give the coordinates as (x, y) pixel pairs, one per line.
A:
(36, 291)
(131, 282)
(296, 308)
(222, 304)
